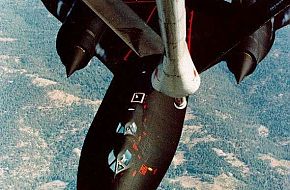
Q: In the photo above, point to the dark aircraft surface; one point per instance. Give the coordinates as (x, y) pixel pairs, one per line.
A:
(135, 133)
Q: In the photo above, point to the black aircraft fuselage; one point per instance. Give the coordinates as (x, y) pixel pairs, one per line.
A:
(135, 133)
(133, 138)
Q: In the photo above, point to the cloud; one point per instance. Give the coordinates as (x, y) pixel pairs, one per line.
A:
(7, 39)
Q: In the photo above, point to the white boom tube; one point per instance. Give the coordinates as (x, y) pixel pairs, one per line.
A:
(176, 76)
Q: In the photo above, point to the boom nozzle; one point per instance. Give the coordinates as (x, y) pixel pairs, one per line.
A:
(177, 76)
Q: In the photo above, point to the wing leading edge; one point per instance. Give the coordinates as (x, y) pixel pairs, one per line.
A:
(214, 28)
(128, 26)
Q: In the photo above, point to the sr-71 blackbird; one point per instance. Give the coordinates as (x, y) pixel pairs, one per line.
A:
(156, 51)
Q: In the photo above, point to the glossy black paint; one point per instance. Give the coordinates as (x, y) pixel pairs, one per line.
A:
(159, 128)
(78, 37)
(218, 31)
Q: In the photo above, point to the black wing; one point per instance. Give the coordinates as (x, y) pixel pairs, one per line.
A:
(217, 29)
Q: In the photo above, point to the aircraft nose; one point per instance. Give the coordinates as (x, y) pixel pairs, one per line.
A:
(76, 61)
(241, 64)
